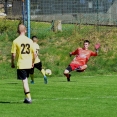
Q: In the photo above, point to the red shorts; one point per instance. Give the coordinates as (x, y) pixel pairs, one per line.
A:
(75, 66)
(71, 68)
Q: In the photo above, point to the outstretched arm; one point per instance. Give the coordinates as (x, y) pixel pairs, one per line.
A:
(97, 46)
(12, 60)
(74, 52)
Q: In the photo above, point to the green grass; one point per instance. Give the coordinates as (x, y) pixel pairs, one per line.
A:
(84, 96)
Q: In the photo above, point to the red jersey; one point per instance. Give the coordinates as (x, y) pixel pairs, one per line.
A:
(82, 57)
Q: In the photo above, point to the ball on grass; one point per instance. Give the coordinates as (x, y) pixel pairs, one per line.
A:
(48, 72)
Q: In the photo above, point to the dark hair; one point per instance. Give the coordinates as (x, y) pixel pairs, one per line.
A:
(34, 37)
(86, 41)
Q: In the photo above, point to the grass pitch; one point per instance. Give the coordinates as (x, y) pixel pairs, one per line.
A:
(84, 96)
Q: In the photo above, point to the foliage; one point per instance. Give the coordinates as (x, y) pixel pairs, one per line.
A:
(8, 29)
(55, 47)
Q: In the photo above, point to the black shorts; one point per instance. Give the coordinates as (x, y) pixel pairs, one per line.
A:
(22, 74)
(69, 68)
(38, 66)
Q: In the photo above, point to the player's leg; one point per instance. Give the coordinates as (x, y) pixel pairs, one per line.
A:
(39, 67)
(26, 91)
(81, 68)
(67, 72)
(44, 76)
(43, 72)
(23, 75)
(32, 75)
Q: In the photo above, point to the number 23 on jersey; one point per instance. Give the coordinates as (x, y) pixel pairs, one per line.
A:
(25, 49)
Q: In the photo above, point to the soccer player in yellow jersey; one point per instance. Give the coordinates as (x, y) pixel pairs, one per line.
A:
(37, 63)
(22, 49)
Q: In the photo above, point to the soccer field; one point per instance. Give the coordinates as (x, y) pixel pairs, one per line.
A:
(84, 96)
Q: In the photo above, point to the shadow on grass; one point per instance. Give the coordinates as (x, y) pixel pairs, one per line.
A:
(11, 83)
(8, 102)
(64, 81)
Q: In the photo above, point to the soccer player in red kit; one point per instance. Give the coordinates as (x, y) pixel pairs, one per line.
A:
(82, 55)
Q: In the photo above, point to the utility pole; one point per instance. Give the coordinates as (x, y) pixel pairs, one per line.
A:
(28, 17)
(97, 15)
(5, 6)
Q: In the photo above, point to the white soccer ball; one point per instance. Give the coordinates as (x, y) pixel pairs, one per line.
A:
(48, 72)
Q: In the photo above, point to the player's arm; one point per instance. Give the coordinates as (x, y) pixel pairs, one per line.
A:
(97, 46)
(13, 55)
(37, 52)
(37, 49)
(94, 53)
(96, 50)
(74, 52)
(34, 55)
(13, 60)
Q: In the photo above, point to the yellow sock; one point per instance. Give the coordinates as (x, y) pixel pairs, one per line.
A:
(43, 72)
(32, 77)
(28, 96)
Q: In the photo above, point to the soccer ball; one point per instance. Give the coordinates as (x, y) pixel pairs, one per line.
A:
(48, 72)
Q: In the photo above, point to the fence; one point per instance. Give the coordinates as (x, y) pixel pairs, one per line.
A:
(88, 12)
(103, 12)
